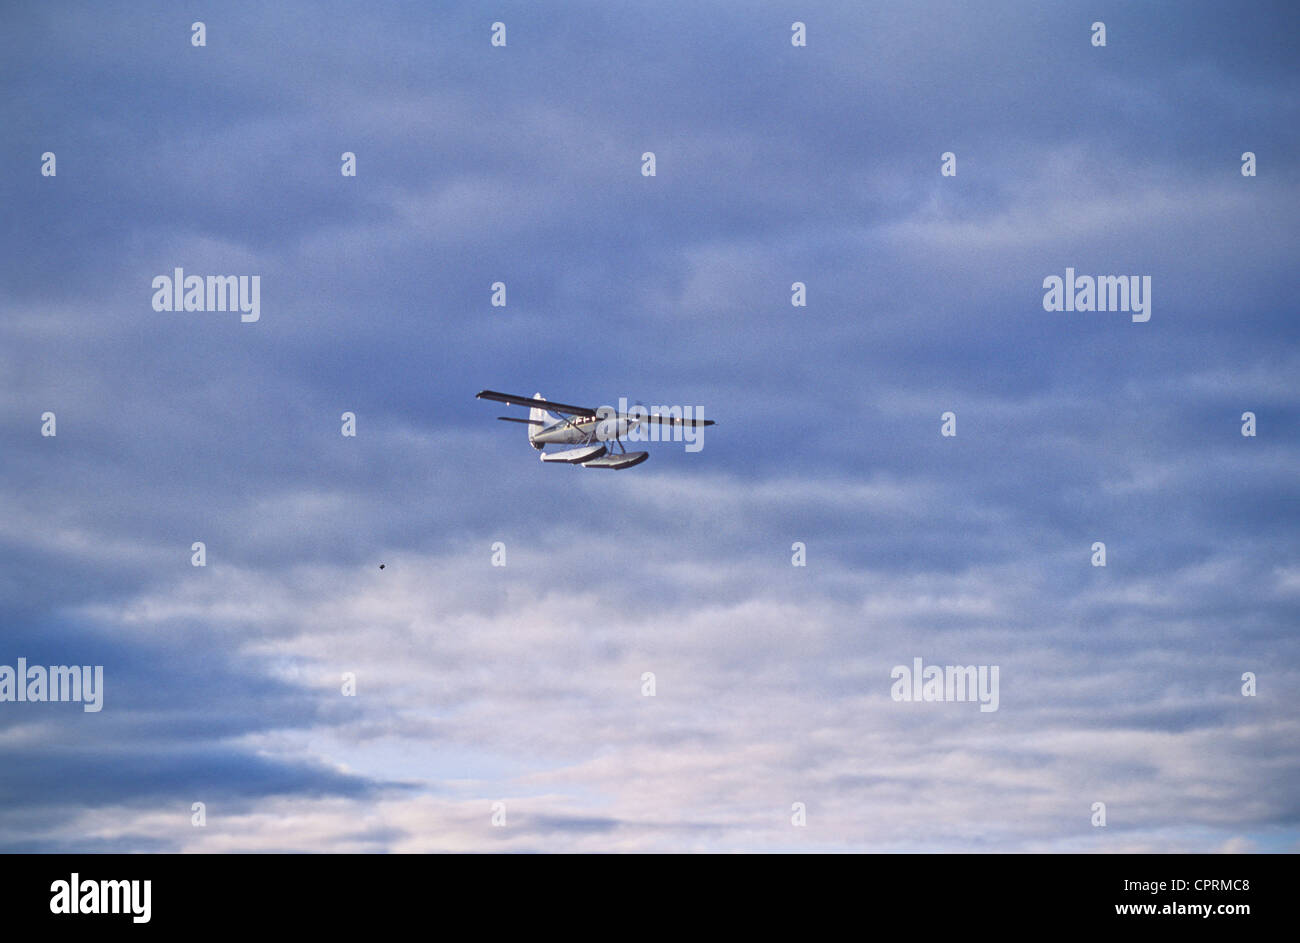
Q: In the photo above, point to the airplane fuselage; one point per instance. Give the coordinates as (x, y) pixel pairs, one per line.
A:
(572, 432)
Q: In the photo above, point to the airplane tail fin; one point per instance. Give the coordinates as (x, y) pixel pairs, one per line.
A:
(537, 414)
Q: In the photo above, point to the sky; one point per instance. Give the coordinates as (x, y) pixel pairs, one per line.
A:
(505, 707)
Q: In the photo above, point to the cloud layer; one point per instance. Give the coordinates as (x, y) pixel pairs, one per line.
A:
(523, 684)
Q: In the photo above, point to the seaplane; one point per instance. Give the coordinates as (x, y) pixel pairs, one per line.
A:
(594, 433)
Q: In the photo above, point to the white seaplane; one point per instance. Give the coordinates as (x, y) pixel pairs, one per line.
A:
(552, 423)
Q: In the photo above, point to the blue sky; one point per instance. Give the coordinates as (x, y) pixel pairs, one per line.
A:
(522, 684)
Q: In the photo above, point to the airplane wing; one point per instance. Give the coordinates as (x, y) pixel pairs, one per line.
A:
(511, 400)
(526, 422)
(673, 421)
